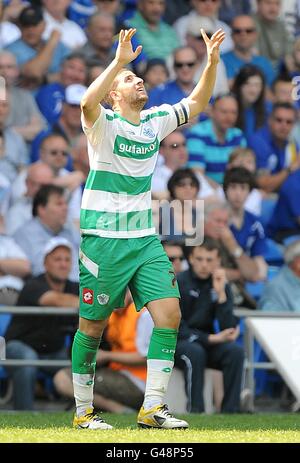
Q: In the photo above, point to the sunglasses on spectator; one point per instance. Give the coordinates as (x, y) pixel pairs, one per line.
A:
(56, 152)
(179, 65)
(173, 258)
(174, 146)
(280, 120)
(248, 30)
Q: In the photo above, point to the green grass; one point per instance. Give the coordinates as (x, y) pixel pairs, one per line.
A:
(56, 427)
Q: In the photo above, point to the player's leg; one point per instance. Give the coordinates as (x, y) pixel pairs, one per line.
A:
(100, 292)
(154, 285)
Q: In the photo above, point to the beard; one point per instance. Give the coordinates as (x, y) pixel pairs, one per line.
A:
(137, 102)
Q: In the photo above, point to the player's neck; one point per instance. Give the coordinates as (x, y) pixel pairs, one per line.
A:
(131, 115)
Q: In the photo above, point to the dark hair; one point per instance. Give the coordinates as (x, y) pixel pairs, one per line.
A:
(209, 244)
(222, 96)
(54, 135)
(245, 73)
(30, 16)
(42, 196)
(286, 105)
(181, 174)
(238, 175)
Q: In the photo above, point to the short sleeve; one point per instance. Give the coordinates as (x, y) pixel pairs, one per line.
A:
(177, 115)
(96, 133)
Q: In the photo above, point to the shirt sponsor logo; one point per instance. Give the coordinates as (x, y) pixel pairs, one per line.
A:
(148, 132)
(129, 148)
(88, 296)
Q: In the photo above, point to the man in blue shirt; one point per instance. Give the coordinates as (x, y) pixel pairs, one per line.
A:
(185, 61)
(285, 220)
(36, 58)
(244, 36)
(211, 142)
(246, 228)
(276, 155)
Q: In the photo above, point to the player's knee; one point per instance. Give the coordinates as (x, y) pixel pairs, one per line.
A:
(93, 328)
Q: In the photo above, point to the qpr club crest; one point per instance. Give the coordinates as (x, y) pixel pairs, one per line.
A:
(148, 132)
(103, 298)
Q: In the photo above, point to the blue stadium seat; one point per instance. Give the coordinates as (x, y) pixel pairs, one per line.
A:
(267, 208)
(274, 253)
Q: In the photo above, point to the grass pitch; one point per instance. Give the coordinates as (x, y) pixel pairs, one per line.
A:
(56, 428)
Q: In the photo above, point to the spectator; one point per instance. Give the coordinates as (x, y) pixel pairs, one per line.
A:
(232, 8)
(24, 116)
(285, 220)
(273, 41)
(205, 299)
(210, 142)
(13, 151)
(235, 262)
(174, 251)
(9, 32)
(49, 220)
(175, 9)
(14, 266)
(276, 156)
(99, 47)
(249, 89)
(174, 156)
(72, 36)
(208, 9)
(174, 90)
(195, 40)
(80, 11)
(244, 35)
(40, 336)
(283, 90)
(245, 227)
(291, 62)
(37, 58)
(282, 293)
(4, 198)
(121, 371)
(158, 38)
(178, 218)
(156, 73)
(68, 125)
(174, 153)
(50, 97)
(245, 157)
(34, 177)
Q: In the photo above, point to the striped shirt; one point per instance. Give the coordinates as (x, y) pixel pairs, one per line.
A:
(207, 153)
(116, 202)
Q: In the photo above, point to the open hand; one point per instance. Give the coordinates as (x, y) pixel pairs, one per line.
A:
(213, 45)
(125, 53)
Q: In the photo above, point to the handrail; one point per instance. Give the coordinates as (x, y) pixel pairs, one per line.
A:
(24, 310)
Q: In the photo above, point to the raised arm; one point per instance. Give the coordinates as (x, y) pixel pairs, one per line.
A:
(200, 96)
(98, 89)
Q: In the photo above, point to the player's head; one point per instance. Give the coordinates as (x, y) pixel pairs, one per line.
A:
(127, 89)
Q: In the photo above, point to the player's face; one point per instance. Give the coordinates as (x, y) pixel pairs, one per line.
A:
(58, 264)
(131, 89)
(237, 194)
(204, 262)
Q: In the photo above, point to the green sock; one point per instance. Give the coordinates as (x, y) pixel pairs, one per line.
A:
(84, 351)
(159, 365)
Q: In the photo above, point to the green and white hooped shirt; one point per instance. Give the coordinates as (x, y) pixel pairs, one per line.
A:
(116, 202)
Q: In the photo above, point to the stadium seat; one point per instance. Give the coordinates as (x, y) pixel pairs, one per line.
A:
(274, 253)
(267, 208)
